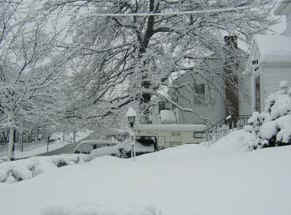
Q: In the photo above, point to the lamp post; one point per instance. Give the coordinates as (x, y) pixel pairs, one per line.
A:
(131, 117)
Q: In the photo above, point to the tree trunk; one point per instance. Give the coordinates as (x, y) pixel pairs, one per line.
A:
(11, 144)
(146, 79)
(74, 137)
(21, 141)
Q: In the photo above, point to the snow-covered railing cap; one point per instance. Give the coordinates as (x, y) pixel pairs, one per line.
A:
(284, 8)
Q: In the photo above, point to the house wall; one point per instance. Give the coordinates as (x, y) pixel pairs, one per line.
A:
(288, 27)
(211, 109)
(247, 84)
(246, 91)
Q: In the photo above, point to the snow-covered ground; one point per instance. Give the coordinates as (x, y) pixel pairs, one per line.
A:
(33, 149)
(190, 179)
(13, 172)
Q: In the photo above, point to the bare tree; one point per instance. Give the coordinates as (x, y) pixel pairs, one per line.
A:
(30, 72)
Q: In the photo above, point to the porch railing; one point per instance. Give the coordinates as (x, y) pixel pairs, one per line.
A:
(225, 126)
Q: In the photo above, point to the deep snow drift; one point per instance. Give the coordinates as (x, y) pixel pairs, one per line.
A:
(190, 179)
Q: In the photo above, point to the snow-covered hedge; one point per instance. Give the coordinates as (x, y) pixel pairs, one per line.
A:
(272, 127)
(20, 170)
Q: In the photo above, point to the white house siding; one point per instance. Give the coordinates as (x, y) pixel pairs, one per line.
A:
(272, 75)
(248, 81)
(246, 90)
(273, 53)
(211, 110)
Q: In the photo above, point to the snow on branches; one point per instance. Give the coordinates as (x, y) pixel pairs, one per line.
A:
(121, 59)
(31, 71)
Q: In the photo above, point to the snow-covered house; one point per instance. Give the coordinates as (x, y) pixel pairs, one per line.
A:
(207, 90)
(259, 74)
(269, 63)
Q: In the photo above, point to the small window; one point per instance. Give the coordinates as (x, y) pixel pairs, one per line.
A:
(198, 134)
(162, 105)
(255, 62)
(200, 89)
(199, 94)
(176, 133)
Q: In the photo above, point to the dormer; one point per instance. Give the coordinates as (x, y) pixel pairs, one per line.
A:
(284, 8)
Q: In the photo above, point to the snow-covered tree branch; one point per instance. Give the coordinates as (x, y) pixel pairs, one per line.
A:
(119, 57)
(31, 73)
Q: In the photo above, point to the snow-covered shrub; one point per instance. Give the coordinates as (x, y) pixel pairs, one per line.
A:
(272, 127)
(20, 170)
(2, 161)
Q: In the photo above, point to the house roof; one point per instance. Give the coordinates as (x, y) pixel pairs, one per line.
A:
(284, 7)
(274, 49)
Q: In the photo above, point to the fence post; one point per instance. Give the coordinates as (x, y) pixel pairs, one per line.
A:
(48, 142)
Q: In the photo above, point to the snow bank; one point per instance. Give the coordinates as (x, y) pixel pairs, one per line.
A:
(20, 170)
(100, 209)
(236, 141)
(187, 180)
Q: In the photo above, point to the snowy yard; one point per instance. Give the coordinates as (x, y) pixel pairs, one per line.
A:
(190, 179)
(33, 149)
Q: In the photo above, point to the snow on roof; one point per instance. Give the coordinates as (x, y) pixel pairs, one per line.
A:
(172, 127)
(274, 49)
(284, 7)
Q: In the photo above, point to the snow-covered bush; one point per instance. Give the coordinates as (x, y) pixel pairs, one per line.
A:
(272, 127)
(20, 170)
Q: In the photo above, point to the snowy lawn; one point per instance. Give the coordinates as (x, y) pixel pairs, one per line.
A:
(33, 149)
(190, 179)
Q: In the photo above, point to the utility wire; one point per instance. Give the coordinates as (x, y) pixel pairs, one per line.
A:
(173, 13)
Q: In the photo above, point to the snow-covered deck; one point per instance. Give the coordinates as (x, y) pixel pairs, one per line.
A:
(172, 127)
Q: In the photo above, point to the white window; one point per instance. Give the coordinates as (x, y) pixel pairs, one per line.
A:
(199, 93)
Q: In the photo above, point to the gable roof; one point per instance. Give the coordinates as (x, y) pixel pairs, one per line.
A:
(274, 49)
